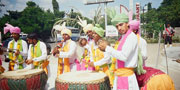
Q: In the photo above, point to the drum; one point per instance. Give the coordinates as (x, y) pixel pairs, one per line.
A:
(34, 79)
(82, 80)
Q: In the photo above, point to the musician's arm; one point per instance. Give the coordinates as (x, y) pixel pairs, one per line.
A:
(8, 49)
(29, 52)
(25, 49)
(105, 60)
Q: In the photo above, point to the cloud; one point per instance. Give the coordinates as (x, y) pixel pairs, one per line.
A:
(7, 6)
(45, 4)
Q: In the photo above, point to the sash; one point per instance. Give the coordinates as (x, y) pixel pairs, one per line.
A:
(122, 80)
(167, 31)
(66, 64)
(120, 64)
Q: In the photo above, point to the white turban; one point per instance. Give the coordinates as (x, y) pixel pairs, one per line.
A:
(87, 28)
(66, 31)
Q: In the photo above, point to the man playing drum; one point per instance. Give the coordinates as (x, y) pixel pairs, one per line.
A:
(37, 53)
(125, 54)
(66, 53)
(17, 48)
(100, 60)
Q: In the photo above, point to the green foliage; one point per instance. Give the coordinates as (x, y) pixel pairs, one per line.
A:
(31, 19)
(154, 19)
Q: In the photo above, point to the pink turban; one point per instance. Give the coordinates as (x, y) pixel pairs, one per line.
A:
(12, 29)
(134, 24)
(15, 30)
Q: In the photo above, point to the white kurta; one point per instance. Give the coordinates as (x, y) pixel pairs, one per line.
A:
(143, 47)
(43, 52)
(40, 58)
(23, 52)
(24, 47)
(71, 54)
(105, 60)
(128, 54)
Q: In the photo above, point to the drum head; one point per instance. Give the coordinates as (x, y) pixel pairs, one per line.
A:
(19, 74)
(84, 77)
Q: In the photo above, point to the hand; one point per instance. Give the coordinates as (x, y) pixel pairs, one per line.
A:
(55, 51)
(91, 64)
(57, 55)
(102, 45)
(17, 53)
(29, 61)
(10, 50)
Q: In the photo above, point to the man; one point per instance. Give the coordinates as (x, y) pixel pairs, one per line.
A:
(125, 54)
(87, 28)
(37, 53)
(167, 34)
(66, 54)
(17, 48)
(100, 60)
(134, 25)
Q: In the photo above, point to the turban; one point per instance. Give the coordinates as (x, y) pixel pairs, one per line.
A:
(98, 30)
(87, 28)
(134, 25)
(83, 23)
(12, 29)
(66, 31)
(120, 18)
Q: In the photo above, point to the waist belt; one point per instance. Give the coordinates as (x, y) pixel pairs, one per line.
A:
(123, 72)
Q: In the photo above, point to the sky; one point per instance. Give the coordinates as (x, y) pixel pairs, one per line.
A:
(77, 5)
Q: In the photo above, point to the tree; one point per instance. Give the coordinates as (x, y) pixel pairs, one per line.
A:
(57, 13)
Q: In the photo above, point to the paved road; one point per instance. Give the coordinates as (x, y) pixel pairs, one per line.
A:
(172, 53)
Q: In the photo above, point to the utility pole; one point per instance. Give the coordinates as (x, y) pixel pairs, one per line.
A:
(89, 2)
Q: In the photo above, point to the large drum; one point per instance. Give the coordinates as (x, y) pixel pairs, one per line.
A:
(83, 80)
(34, 79)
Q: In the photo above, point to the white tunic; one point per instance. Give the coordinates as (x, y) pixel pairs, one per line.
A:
(143, 47)
(43, 52)
(105, 60)
(24, 48)
(128, 54)
(40, 58)
(71, 54)
(23, 52)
